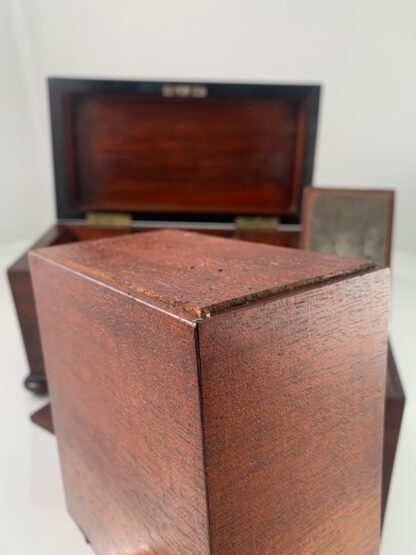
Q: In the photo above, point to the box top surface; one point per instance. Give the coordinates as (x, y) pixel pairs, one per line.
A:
(198, 275)
(181, 150)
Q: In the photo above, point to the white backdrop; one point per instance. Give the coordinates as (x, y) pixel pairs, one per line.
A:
(362, 52)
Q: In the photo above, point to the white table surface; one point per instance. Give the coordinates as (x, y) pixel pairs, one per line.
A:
(33, 517)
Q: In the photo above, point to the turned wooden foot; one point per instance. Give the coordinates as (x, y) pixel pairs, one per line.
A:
(37, 384)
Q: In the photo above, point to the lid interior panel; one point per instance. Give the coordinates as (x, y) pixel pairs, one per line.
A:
(236, 153)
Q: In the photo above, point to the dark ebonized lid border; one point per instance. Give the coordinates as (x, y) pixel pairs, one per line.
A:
(59, 87)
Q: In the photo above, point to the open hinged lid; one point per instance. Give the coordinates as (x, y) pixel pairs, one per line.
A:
(157, 150)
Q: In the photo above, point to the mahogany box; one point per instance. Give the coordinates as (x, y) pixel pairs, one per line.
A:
(213, 396)
(226, 159)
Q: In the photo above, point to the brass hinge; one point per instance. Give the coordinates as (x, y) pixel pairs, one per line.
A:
(108, 219)
(257, 223)
(195, 91)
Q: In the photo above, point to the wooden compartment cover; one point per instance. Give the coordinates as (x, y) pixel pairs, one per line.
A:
(348, 222)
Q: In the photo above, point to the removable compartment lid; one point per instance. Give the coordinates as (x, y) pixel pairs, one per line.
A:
(181, 151)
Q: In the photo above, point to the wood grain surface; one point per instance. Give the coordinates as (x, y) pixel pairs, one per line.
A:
(293, 396)
(257, 430)
(125, 403)
(134, 153)
(202, 275)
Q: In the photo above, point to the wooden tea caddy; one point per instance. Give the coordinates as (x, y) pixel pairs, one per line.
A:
(227, 159)
(214, 396)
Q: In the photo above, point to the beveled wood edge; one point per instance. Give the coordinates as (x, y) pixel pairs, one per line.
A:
(197, 312)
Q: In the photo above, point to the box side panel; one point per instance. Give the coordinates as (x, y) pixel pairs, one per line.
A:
(393, 414)
(125, 402)
(22, 291)
(392, 423)
(293, 396)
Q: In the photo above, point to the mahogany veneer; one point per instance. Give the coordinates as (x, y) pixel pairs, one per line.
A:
(215, 396)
